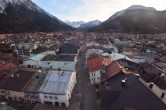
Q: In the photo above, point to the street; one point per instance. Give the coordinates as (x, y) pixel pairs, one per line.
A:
(89, 100)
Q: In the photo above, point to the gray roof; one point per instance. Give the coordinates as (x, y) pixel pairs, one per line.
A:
(35, 82)
(133, 95)
(59, 58)
(63, 65)
(37, 57)
(56, 82)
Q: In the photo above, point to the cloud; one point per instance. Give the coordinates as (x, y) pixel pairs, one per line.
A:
(93, 9)
(86, 10)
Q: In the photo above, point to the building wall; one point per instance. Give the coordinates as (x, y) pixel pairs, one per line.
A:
(64, 65)
(95, 77)
(31, 63)
(60, 99)
(14, 95)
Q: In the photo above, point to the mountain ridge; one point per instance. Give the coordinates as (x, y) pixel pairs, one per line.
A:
(19, 16)
(82, 24)
(140, 20)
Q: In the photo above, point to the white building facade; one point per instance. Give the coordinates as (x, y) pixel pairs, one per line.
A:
(57, 88)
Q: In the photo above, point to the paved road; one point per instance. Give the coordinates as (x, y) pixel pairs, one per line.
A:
(89, 98)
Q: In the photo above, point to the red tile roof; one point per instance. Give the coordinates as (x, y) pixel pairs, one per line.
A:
(97, 62)
(131, 50)
(106, 61)
(113, 69)
(7, 67)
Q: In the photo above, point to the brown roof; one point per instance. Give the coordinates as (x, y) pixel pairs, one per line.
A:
(161, 65)
(15, 80)
(131, 50)
(156, 79)
(97, 63)
(113, 69)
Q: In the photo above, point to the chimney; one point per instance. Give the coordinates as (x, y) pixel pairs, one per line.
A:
(107, 86)
(18, 75)
(137, 75)
(151, 85)
(162, 95)
(12, 75)
(123, 82)
(37, 77)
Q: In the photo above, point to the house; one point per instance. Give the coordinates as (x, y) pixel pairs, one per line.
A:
(33, 85)
(95, 66)
(50, 61)
(113, 69)
(45, 50)
(68, 48)
(33, 61)
(137, 58)
(147, 68)
(7, 67)
(38, 50)
(5, 48)
(127, 92)
(130, 65)
(24, 49)
(90, 52)
(117, 56)
(130, 51)
(11, 84)
(62, 62)
(57, 88)
(133, 54)
(9, 58)
(119, 43)
(155, 78)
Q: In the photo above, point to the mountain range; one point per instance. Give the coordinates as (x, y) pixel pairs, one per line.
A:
(18, 16)
(83, 25)
(135, 19)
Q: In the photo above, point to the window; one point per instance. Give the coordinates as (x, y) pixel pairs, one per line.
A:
(55, 97)
(45, 96)
(50, 97)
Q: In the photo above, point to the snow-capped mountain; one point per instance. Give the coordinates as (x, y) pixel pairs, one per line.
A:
(75, 24)
(25, 16)
(90, 24)
(83, 25)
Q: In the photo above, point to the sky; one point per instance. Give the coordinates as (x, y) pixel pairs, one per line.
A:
(88, 10)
